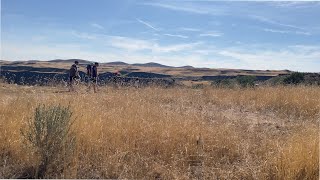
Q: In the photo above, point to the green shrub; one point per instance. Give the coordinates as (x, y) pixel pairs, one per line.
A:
(225, 83)
(294, 78)
(197, 86)
(277, 80)
(49, 134)
(246, 81)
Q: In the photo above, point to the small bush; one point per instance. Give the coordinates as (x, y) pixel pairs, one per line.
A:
(226, 83)
(49, 133)
(246, 81)
(197, 86)
(277, 80)
(294, 78)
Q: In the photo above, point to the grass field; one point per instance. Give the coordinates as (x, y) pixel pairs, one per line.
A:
(173, 133)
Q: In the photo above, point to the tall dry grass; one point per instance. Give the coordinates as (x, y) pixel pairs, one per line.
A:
(289, 101)
(262, 133)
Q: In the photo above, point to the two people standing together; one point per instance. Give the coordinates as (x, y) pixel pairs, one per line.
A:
(92, 75)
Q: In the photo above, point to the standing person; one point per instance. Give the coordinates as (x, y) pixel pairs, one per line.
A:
(73, 75)
(89, 75)
(89, 69)
(94, 77)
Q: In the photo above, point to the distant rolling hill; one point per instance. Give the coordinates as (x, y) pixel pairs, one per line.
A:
(150, 67)
(116, 63)
(59, 68)
(187, 67)
(70, 61)
(152, 64)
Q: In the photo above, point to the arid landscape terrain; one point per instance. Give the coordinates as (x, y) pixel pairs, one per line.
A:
(160, 89)
(166, 133)
(34, 72)
(147, 67)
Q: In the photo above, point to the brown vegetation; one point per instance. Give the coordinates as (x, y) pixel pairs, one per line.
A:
(177, 133)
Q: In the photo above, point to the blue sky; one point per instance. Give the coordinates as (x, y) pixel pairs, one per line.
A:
(203, 33)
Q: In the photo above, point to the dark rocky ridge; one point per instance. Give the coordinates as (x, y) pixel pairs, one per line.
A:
(60, 76)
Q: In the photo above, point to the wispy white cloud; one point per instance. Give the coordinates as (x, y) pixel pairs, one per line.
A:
(291, 58)
(177, 8)
(147, 24)
(104, 47)
(98, 26)
(189, 29)
(129, 44)
(287, 32)
(132, 44)
(203, 33)
(135, 44)
(158, 29)
(15, 51)
(296, 57)
(270, 21)
(293, 4)
(176, 35)
(83, 35)
(188, 6)
(211, 34)
(305, 48)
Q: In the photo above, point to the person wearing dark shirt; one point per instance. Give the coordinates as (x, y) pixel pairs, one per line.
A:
(94, 77)
(89, 75)
(73, 75)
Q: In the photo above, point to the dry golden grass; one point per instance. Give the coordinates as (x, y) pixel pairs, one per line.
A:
(211, 133)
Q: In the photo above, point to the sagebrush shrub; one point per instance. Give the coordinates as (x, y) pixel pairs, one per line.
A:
(49, 133)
